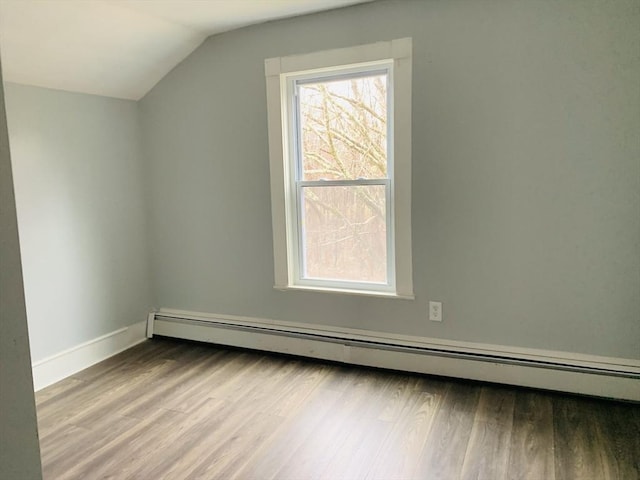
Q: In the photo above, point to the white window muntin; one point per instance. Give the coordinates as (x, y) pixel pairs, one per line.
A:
(297, 255)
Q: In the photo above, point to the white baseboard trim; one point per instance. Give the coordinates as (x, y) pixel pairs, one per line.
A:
(550, 370)
(61, 365)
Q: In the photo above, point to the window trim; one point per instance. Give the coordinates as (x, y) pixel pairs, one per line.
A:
(278, 72)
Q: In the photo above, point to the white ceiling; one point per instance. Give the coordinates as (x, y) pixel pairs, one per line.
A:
(121, 48)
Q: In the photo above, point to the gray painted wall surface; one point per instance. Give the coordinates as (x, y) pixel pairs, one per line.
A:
(81, 216)
(19, 448)
(526, 178)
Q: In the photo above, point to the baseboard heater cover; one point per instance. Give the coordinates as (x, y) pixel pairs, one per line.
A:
(610, 380)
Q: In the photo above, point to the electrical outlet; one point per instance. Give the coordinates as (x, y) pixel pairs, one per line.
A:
(435, 311)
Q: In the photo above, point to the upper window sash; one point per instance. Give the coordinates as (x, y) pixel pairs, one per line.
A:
(297, 80)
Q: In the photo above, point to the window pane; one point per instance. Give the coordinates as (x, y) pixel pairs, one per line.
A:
(344, 233)
(344, 128)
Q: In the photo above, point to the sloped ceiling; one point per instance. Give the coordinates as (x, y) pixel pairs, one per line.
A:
(121, 48)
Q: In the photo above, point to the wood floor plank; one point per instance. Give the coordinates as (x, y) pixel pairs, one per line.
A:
(395, 403)
(56, 390)
(487, 453)
(224, 461)
(307, 379)
(309, 389)
(399, 456)
(531, 451)
(118, 383)
(446, 446)
(349, 422)
(313, 455)
(83, 444)
(366, 448)
(212, 426)
(298, 430)
(176, 410)
(578, 451)
(618, 438)
(121, 449)
(195, 437)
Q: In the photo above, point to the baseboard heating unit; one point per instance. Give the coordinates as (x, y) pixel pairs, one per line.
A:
(560, 371)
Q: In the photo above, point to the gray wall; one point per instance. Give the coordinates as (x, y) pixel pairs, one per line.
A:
(526, 179)
(82, 222)
(19, 448)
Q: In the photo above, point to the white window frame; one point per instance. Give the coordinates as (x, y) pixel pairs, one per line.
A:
(281, 74)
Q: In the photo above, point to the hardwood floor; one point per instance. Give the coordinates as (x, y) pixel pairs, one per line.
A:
(167, 409)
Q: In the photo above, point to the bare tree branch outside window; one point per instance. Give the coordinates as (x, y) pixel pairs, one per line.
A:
(344, 137)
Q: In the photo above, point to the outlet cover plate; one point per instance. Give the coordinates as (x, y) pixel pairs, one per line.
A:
(435, 311)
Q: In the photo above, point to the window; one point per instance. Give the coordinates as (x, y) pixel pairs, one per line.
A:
(340, 158)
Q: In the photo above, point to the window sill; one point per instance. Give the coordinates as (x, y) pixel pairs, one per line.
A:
(345, 291)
